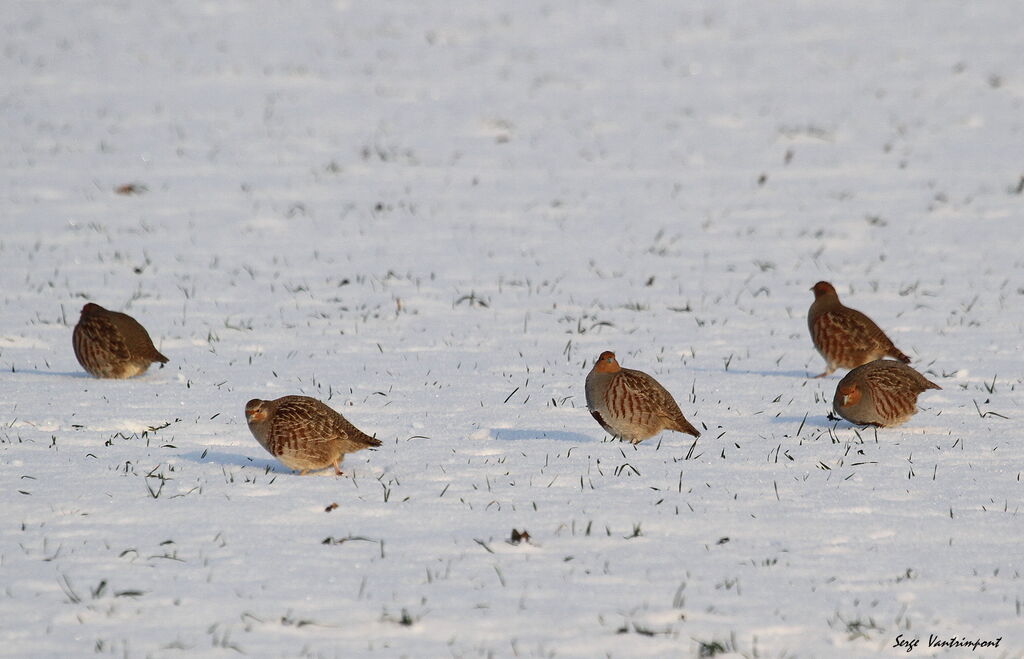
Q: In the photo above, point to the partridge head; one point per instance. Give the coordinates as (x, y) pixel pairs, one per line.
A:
(111, 344)
(631, 405)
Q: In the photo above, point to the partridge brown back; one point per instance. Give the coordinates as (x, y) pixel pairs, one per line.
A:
(303, 433)
(632, 405)
(845, 337)
(110, 344)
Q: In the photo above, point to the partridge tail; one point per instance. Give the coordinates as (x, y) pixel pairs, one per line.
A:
(682, 425)
(363, 438)
(159, 357)
(895, 353)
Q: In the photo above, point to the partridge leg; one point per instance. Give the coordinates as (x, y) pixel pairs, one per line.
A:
(829, 370)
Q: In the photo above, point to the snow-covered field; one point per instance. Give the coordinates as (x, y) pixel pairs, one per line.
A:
(434, 216)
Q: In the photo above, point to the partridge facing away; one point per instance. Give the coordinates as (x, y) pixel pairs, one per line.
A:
(631, 404)
(880, 393)
(845, 337)
(111, 344)
(303, 433)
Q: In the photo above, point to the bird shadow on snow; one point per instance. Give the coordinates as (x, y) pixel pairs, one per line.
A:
(152, 375)
(62, 374)
(781, 374)
(235, 459)
(560, 435)
(815, 421)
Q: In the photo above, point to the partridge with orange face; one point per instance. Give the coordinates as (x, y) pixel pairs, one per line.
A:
(303, 433)
(631, 405)
(110, 344)
(880, 393)
(845, 337)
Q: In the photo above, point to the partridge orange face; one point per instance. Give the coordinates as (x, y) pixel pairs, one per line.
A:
(606, 363)
(849, 394)
(822, 288)
(254, 411)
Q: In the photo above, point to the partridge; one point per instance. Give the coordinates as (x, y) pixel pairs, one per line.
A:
(880, 393)
(303, 433)
(110, 344)
(631, 404)
(845, 337)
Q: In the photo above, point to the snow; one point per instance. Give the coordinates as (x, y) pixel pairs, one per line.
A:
(434, 217)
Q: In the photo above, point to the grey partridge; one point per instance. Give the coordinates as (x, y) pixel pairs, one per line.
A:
(303, 433)
(880, 393)
(845, 337)
(111, 344)
(631, 405)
